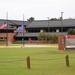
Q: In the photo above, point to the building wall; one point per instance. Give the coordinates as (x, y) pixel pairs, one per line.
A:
(2, 43)
(10, 37)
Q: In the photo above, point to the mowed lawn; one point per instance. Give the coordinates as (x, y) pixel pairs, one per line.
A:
(44, 61)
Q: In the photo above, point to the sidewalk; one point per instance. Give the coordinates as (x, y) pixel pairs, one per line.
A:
(32, 45)
(38, 46)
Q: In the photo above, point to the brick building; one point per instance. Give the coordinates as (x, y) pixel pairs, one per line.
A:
(32, 29)
(10, 30)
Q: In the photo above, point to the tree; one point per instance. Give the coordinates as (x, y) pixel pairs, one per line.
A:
(49, 38)
(71, 31)
(53, 19)
(54, 38)
(31, 19)
(42, 36)
(56, 18)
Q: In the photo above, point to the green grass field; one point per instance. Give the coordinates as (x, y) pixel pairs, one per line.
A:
(44, 61)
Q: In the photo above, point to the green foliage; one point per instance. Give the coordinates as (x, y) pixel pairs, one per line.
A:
(71, 31)
(2, 39)
(54, 38)
(53, 19)
(42, 36)
(45, 36)
(31, 19)
(56, 18)
(18, 42)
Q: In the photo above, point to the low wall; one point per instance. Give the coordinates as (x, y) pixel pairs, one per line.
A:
(31, 42)
(3, 42)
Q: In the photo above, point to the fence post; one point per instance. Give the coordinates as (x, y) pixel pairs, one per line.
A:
(28, 62)
(67, 60)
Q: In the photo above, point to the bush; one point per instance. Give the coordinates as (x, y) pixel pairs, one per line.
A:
(71, 31)
(2, 39)
(51, 38)
(54, 38)
(18, 42)
(42, 36)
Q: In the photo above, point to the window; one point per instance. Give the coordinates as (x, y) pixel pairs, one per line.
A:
(57, 30)
(41, 30)
(1, 37)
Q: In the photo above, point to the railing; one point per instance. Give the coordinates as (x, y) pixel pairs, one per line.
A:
(28, 60)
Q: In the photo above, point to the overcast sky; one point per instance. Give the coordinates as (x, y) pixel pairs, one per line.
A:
(39, 9)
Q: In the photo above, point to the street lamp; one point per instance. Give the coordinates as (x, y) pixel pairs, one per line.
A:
(61, 22)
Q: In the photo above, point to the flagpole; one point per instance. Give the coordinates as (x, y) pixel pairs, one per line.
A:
(61, 22)
(7, 29)
(23, 30)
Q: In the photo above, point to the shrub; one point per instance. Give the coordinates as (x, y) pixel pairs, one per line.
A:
(18, 42)
(71, 31)
(2, 39)
(51, 38)
(54, 38)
